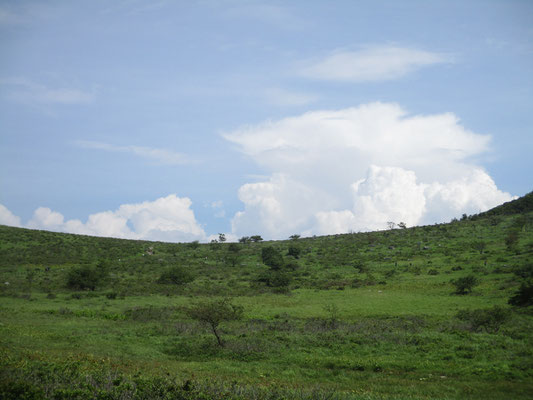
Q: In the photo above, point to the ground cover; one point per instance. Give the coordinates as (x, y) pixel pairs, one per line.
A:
(361, 315)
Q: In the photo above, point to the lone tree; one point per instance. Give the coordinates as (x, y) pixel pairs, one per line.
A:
(465, 284)
(256, 238)
(213, 313)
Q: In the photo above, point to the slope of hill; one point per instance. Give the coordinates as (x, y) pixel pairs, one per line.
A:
(405, 313)
(521, 205)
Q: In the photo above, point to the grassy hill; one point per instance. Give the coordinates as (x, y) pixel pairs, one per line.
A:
(387, 314)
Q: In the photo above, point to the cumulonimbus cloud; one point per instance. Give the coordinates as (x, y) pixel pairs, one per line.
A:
(168, 219)
(378, 63)
(358, 168)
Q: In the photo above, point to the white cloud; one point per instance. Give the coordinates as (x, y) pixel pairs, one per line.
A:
(7, 218)
(474, 192)
(357, 168)
(372, 64)
(277, 208)
(167, 219)
(162, 156)
(25, 91)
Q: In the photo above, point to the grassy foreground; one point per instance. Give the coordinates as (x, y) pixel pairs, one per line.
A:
(355, 316)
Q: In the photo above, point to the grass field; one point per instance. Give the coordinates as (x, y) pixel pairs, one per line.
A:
(363, 315)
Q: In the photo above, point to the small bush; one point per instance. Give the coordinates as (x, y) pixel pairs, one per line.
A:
(272, 257)
(294, 251)
(85, 277)
(360, 266)
(175, 276)
(465, 284)
(485, 320)
(523, 297)
(275, 279)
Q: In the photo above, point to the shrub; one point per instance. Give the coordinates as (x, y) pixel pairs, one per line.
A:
(465, 284)
(85, 277)
(525, 271)
(488, 320)
(175, 276)
(279, 279)
(275, 278)
(234, 248)
(523, 297)
(294, 251)
(194, 245)
(272, 257)
(511, 240)
(360, 266)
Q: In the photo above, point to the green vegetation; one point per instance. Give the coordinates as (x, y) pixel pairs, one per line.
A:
(440, 312)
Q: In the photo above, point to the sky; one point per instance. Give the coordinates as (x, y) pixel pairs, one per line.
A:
(180, 120)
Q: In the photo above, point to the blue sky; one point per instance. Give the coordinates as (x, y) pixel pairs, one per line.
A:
(177, 120)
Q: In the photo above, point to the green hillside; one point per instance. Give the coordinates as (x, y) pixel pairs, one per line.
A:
(440, 312)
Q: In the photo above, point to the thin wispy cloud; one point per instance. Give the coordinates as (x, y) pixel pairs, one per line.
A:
(267, 13)
(161, 156)
(26, 91)
(282, 97)
(378, 63)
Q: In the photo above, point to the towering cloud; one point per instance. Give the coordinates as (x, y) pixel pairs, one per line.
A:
(357, 168)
